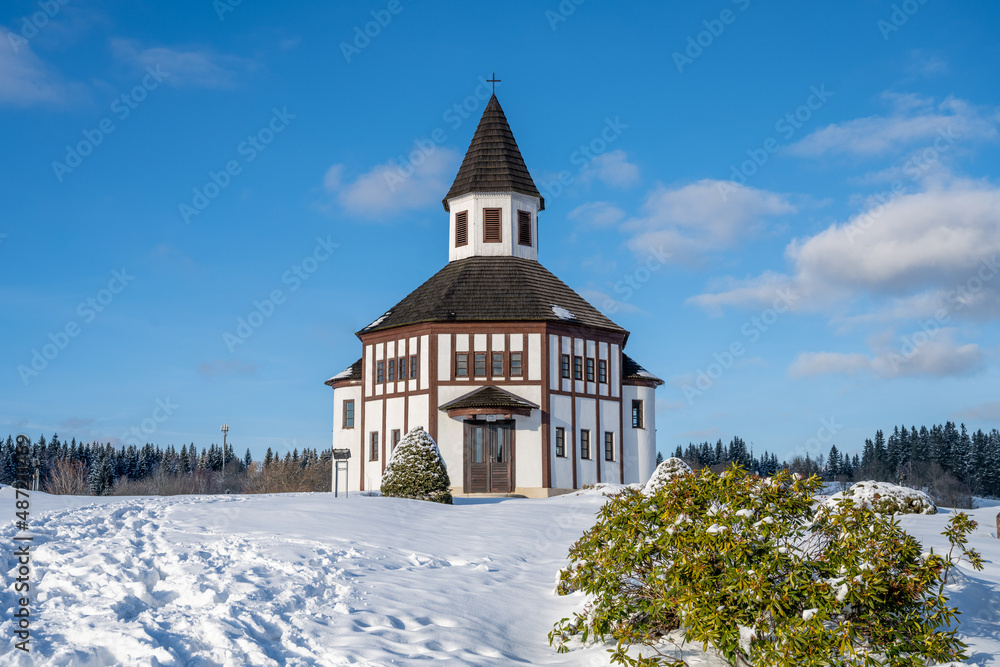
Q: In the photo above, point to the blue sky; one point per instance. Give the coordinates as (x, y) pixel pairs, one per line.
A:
(793, 207)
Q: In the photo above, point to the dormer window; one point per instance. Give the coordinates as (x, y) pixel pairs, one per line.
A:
(524, 228)
(461, 228)
(491, 225)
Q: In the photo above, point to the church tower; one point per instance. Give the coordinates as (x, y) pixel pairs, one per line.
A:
(493, 204)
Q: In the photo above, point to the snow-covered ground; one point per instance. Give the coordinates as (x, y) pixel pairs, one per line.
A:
(306, 579)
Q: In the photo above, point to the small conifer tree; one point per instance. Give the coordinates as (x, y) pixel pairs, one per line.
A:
(416, 470)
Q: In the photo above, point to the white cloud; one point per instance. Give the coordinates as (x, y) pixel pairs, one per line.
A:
(185, 67)
(389, 187)
(612, 168)
(989, 412)
(923, 352)
(913, 119)
(597, 214)
(700, 217)
(919, 252)
(760, 291)
(24, 79)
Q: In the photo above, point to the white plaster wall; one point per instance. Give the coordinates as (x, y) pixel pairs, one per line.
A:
(640, 443)
(553, 362)
(444, 356)
(369, 372)
(528, 439)
(586, 419)
(535, 357)
(419, 415)
(394, 408)
(562, 467)
(647, 437)
(372, 422)
(610, 421)
(425, 355)
(451, 433)
(509, 203)
(348, 438)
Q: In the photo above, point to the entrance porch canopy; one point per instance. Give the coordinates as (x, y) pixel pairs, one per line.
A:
(489, 400)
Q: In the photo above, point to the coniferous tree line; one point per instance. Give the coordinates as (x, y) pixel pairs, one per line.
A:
(719, 457)
(96, 468)
(944, 459)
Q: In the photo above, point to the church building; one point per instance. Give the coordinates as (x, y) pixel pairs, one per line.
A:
(523, 384)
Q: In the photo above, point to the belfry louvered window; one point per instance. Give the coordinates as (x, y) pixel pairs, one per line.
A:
(524, 228)
(461, 228)
(491, 225)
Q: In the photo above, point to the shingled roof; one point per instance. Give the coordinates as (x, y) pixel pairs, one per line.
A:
(631, 370)
(493, 162)
(489, 397)
(350, 374)
(493, 289)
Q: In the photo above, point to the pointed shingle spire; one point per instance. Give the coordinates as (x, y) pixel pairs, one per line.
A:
(493, 162)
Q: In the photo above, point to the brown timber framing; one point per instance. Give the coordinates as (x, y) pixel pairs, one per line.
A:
(432, 389)
(597, 421)
(406, 384)
(572, 412)
(545, 404)
(364, 427)
(523, 328)
(621, 418)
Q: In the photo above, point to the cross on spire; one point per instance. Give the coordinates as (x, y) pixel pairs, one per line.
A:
(494, 81)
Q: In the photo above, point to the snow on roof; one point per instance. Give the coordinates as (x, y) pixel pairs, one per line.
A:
(378, 321)
(342, 375)
(562, 313)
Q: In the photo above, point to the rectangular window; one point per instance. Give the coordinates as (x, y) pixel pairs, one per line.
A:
(461, 228)
(602, 371)
(524, 228)
(609, 446)
(402, 368)
(560, 441)
(590, 370)
(395, 438)
(380, 371)
(565, 366)
(392, 370)
(349, 414)
(498, 364)
(373, 446)
(637, 414)
(413, 367)
(491, 225)
(461, 365)
(515, 364)
(578, 368)
(480, 364)
(584, 444)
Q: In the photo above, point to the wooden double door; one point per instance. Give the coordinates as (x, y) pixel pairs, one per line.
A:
(489, 456)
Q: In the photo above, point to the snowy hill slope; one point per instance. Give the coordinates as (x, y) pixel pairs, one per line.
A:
(306, 579)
